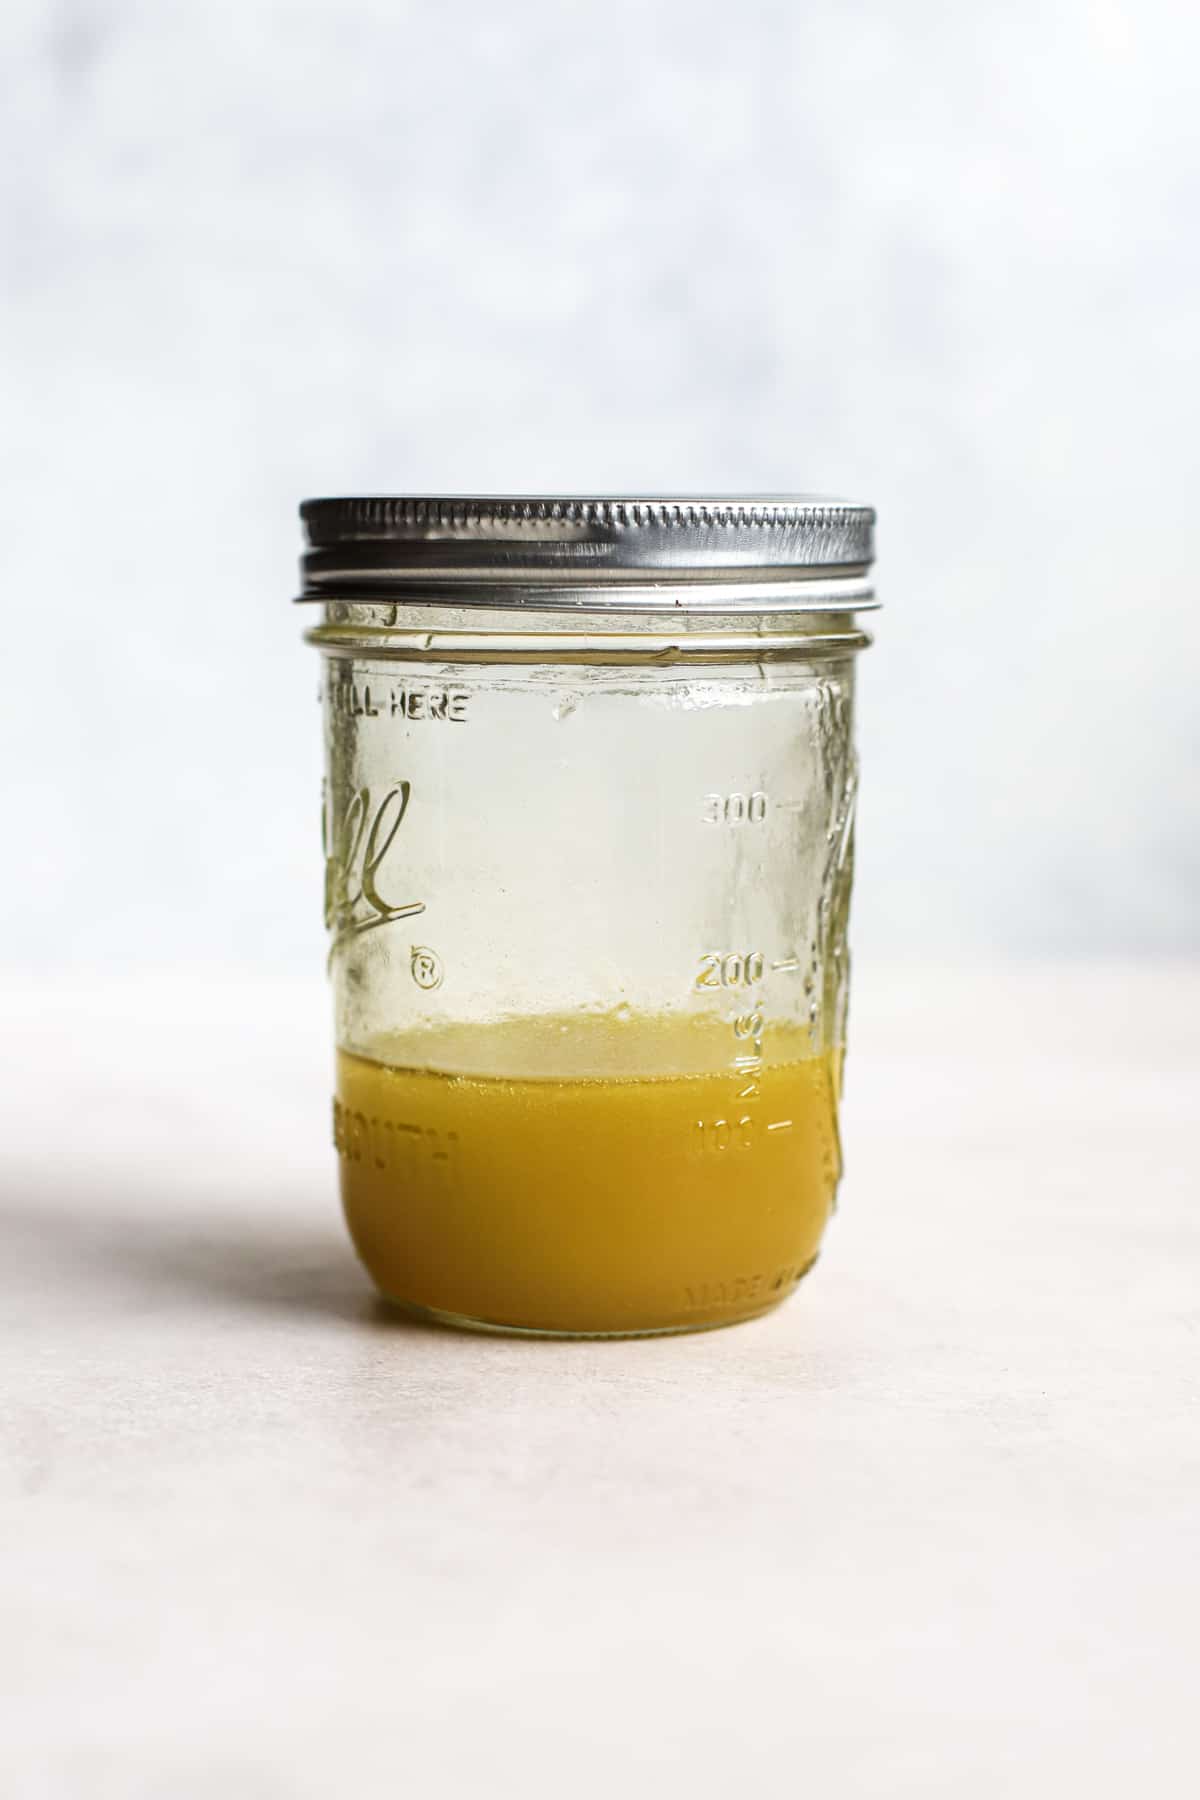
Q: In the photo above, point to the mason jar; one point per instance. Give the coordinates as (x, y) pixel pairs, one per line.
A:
(588, 831)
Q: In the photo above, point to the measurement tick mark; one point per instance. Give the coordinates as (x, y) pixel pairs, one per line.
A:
(780, 1125)
(790, 805)
(787, 962)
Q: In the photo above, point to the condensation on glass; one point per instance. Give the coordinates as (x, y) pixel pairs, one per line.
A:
(588, 828)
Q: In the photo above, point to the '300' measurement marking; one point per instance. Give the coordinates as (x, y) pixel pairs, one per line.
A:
(735, 809)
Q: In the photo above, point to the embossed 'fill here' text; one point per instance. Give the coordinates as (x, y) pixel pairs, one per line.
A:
(364, 700)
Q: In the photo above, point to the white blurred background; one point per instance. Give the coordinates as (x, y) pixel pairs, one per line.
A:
(931, 1530)
(940, 258)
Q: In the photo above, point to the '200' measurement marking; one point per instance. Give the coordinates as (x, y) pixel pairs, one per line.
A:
(730, 969)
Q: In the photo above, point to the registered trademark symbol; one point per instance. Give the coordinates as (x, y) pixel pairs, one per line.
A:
(426, 967)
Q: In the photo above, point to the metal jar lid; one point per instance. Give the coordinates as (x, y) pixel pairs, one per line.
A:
(793, 552)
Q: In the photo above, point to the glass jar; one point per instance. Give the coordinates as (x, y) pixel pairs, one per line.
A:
(588, 826)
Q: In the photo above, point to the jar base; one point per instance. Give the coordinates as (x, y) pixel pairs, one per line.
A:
(434, 1315)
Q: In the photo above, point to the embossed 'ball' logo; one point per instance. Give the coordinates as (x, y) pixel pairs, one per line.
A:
(359, 832)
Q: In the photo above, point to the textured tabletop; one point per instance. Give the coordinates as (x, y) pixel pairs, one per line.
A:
(932, 1529)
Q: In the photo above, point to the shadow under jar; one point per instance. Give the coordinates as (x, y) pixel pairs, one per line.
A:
(588, 818)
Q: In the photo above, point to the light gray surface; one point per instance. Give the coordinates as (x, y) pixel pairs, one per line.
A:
(929, 1530)
(940, 257)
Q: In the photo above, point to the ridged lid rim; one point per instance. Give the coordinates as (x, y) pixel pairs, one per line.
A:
(469, 544)
(333, 519)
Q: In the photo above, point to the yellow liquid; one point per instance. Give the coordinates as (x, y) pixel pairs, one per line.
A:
(544, 1198)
